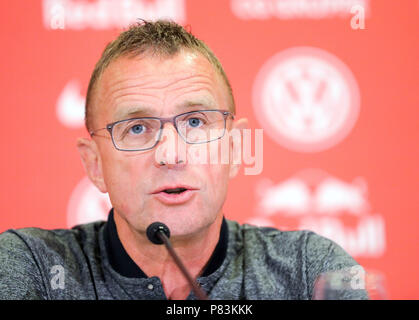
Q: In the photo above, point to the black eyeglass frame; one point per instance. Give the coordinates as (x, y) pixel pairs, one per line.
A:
(172, 120)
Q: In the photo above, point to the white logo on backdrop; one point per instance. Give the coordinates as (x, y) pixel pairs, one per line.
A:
(70, 106)
(295, 9)
(306, 99)
(107, 14)
(87, 204)
(322, 203)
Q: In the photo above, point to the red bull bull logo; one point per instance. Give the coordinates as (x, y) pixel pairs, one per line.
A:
(334, 208)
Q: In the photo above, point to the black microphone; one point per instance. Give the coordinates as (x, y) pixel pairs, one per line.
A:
(154, 230)
(159, 233)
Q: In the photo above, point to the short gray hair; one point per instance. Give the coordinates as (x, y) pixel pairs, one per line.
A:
(161, 37)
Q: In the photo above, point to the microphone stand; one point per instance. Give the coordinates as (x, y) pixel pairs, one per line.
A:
(196, 289)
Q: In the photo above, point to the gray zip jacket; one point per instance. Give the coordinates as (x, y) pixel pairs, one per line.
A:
(259, 263)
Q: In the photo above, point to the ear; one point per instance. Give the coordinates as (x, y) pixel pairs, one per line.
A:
(236, 146)
(92, 163)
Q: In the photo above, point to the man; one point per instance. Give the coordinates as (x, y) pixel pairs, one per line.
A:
(154, 87)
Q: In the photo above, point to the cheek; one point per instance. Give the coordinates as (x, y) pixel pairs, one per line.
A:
(216, 180)
(124, 178)
(214, 170)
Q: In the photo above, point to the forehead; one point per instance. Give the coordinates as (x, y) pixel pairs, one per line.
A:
(158, 84)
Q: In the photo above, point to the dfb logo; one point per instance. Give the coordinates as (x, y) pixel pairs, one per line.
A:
(306, 99)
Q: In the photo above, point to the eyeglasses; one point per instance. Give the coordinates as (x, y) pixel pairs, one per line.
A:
(195, 127)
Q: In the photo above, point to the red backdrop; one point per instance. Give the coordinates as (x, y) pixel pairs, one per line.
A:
(336, 95)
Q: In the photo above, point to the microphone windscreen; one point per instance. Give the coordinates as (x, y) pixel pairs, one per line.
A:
(153, 229)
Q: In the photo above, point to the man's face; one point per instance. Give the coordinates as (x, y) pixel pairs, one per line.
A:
(159, 87)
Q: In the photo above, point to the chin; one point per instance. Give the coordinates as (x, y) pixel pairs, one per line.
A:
(185, 224)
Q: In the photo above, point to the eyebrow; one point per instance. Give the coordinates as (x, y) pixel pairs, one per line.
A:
(205, 101)
(138, 111)
(145, 111)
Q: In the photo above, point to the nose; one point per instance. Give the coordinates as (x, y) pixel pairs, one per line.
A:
(171, 149)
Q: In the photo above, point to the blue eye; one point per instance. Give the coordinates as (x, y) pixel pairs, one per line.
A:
(137, 129)
(194, 122)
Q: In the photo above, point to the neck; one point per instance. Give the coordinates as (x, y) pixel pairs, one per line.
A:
(194, 250)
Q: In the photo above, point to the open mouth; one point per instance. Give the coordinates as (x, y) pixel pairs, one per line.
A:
(174, 190)
(174, 195)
